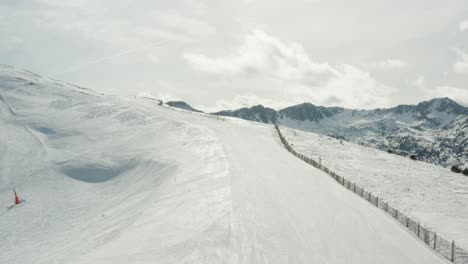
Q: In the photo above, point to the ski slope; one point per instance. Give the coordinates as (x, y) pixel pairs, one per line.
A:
(105, 179)
(431, 194)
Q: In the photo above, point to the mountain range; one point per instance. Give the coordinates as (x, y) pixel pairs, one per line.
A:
(435, 131)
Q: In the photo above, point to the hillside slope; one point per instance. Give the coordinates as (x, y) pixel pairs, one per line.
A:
(109, 180)
(434, 196)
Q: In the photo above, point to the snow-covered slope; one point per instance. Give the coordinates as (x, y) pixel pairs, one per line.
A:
(111, 180)
(434, 196)
(435, 131)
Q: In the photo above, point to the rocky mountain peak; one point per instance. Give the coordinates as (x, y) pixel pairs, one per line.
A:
(182, 105)
(306, 112)
(441, 105)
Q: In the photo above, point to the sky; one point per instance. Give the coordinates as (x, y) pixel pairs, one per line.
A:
(224, 54)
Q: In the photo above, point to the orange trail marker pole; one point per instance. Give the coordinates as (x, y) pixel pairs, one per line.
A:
(17, 200)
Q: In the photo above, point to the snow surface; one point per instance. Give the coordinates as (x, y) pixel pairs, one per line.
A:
(105, 179)
(428, 193)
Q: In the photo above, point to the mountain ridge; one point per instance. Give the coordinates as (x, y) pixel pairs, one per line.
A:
(182, 105)
(434, 130)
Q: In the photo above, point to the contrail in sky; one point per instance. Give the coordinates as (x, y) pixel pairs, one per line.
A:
(103, 59)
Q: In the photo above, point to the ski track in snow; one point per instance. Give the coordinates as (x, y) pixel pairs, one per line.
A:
(173, 187)
(7, 105)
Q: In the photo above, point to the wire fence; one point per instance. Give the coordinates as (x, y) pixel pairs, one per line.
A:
(446, 248)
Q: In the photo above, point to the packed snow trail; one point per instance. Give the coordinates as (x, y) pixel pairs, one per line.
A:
(110, 180)
(284, 211)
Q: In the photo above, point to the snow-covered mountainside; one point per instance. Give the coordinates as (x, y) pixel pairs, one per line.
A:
(435, 131)
(105, 179)
(432, 195)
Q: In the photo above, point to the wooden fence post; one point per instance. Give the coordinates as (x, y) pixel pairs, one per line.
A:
(418, 229)
(435, 240)
(407, 220)
(377, 201)
(453, 251)
(426, 237)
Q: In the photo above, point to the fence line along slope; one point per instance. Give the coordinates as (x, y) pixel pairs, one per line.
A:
(429, 194)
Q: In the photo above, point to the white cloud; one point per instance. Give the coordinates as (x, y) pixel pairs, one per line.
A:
(419, 82)
(354, 88)
(459, 95)
(246, 100)
(390, 64)
(291, 71)
(80, 37)
(66, 4)
(463, 25)
(11, 42)
(461, 67)
(262, 54)
(153, 58)
(184, 24)
(3, 21)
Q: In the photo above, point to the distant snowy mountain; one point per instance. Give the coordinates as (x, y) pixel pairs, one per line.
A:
(256, 113)
(182, 105)
(435, 131)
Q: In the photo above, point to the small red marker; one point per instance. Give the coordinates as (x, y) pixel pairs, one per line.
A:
(17, 200)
